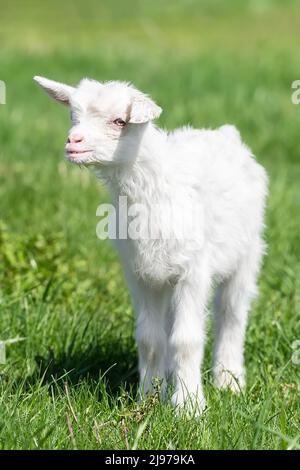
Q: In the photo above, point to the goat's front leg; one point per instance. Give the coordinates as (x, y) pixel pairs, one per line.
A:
(186, 343)
(151, 337)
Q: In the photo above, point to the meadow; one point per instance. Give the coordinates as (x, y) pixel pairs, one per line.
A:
(70, 376)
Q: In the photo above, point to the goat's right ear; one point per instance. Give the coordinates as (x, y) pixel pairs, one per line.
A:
(59, 91)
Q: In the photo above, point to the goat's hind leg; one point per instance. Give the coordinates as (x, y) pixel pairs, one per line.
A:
(232, 304)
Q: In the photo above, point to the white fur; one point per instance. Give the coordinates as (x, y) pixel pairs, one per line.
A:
(171, 279)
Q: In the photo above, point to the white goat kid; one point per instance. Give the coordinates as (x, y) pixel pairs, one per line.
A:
(170, 278)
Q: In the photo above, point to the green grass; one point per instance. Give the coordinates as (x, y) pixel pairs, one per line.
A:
(70, 380)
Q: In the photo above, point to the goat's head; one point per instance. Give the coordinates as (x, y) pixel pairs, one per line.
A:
(107, 119)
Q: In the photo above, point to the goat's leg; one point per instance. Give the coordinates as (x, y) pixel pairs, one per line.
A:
(186, 342)
(232, 304)
(151, 337)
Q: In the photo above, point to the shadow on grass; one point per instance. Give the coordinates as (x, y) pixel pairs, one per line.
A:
(116, 365)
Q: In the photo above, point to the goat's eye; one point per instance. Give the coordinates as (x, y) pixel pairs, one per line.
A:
(119, 122)
(74, 118)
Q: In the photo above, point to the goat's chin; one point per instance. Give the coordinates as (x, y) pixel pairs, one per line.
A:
(91, 159)
(83, 159)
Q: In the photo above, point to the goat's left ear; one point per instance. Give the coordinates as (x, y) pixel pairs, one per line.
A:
(143, 109)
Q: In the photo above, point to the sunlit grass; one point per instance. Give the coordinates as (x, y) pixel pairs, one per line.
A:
(71, 382)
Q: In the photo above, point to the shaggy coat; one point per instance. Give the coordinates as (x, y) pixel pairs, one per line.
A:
(201, 198)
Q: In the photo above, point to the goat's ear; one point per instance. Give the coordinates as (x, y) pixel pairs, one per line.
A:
(143, 109)
(59, 91)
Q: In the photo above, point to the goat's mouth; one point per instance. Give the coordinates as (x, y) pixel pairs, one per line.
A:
(80, 157)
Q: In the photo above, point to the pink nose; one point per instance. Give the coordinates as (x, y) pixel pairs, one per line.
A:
(75, 139)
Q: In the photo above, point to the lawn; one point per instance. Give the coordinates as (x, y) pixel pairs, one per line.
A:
(69, 381)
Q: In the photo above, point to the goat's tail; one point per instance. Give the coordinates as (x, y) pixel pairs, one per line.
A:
(231, 131)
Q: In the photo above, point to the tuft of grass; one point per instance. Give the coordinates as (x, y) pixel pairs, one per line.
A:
(71, 382)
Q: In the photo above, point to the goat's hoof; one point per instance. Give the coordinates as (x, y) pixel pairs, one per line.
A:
(225, 379)
(191, 406)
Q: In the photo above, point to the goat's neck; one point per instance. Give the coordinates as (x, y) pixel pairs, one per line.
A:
(143, 180)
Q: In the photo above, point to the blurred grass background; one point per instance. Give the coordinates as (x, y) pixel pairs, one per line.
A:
(186, 26)
(71, 382)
